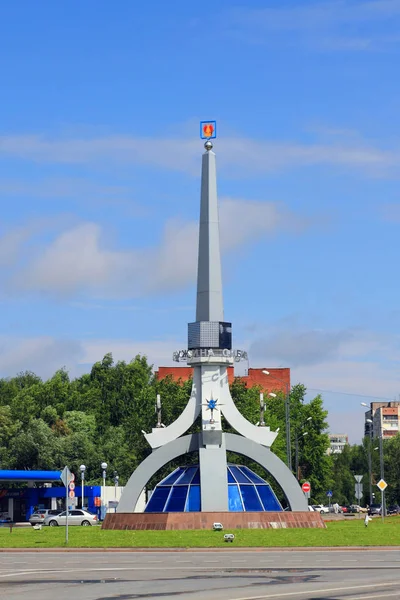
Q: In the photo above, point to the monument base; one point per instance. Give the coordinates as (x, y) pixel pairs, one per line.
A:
(205, 520)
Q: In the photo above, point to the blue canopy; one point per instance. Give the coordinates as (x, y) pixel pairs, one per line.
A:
(8, 475)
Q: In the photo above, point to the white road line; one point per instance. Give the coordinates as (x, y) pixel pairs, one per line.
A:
(154, 561)
(323, 591)
(396, 594)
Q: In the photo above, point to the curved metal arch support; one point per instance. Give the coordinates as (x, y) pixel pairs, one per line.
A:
(273, 464)
(149, 467)
(162, 436)
(260, 435)
(191, 443)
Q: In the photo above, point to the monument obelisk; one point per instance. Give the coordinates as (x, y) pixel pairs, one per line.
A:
(210, 354)
(208, 326)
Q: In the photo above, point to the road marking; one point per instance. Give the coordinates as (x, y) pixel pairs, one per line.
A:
(179, 568)
(154, 561)
(396, 594)
(323, 591)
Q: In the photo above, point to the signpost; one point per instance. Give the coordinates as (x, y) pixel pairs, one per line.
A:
(329, 494)
(68, 480)
(382, 485)
(306, 487)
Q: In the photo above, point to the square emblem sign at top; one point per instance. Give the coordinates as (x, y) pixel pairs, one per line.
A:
(208, 130)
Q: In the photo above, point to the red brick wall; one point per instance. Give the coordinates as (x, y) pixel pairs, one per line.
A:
(390, 411)
(277, 380)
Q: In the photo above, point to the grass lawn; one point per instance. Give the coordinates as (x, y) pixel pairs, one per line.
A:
(339, 533)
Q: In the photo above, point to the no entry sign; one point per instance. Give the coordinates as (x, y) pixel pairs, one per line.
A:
(306, 487)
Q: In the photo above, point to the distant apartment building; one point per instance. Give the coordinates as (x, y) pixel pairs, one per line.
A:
(337, 441)
(385, 417)
(278, 380)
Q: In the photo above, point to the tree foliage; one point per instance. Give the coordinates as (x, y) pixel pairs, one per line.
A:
(101, 415)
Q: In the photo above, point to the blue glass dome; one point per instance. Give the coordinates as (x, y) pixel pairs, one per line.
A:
(180, 492)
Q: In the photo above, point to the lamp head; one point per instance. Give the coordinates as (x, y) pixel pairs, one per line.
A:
(265, 372)
(104, 466)
(82, 468)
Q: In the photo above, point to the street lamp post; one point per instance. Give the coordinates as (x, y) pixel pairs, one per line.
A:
(116, 480)
(369, 456)
(104, 468)
(263, 406)
(287, 419)
(383, 502)
(297, 454)
(82, 469)
(297, 438)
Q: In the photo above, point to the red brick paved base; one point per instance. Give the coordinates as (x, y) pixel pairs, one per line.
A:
(204, 520)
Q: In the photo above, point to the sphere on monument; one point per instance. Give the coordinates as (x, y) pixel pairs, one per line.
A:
(208, 145)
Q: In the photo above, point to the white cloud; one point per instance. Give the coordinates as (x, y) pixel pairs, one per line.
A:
(42, 355)
(347, 367)
(79, 259)
(332, 25)
(159, 353)
(73, 261)
(13, 240)
(300, 348)
(315, 15)
(237, 156)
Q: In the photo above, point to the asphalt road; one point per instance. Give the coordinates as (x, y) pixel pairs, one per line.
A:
(207, 575)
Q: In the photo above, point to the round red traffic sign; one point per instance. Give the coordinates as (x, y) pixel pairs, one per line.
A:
(306, 487)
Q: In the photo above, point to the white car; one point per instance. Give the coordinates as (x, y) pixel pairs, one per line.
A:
(321, 508)
(75, 517)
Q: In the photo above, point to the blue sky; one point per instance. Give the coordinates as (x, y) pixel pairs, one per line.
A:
(99, 185)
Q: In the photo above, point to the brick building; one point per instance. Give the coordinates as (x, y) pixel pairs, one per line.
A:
(278, 380)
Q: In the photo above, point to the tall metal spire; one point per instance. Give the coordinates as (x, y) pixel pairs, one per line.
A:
(209, 305)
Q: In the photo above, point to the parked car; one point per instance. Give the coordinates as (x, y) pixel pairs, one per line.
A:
(75, 517)
(40, 515)
(356, 508)
(321, 508)
(374, 509)
(310, 508)
(394, 509)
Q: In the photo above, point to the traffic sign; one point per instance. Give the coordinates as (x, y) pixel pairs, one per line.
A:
(66, 476)
(382, 485)
(358, 478)
(71, 485)
(358, 491)
(329, 494)
(71, 494)
(306, 487)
